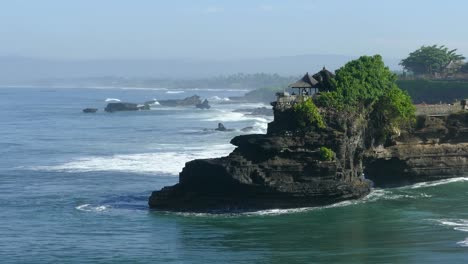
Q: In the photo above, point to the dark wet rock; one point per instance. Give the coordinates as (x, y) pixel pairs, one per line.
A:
(189, 101)
(114, 107)
(222, 128)
(204, 105)
(90, 110)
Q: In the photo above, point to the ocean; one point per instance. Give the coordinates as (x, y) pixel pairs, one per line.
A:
(74, 189)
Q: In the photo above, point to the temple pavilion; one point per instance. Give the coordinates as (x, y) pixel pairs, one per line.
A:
(320, 81)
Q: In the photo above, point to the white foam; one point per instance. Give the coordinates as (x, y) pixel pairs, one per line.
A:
(218, 99)
(175, 92)
(155, 102)
(436, 183)
(463, 243)
(91, 208)
(164, 162)
(375, 195)
(457, 223)
(112, 100)
(228, 116)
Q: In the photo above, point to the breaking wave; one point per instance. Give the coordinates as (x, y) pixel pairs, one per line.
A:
(92, 208)
(375, 195)
(112, 100)
(165, 162)
(436, 183)
(218, 99)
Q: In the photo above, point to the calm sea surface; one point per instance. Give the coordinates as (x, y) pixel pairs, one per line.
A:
(74, 189)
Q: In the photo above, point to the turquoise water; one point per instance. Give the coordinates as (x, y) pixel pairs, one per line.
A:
(74, 189)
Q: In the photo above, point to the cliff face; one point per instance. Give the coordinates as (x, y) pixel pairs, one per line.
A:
(278, 170)
(437, 149)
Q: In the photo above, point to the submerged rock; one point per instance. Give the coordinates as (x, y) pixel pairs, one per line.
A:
(114, 107)
(189, 101)
(90, 110)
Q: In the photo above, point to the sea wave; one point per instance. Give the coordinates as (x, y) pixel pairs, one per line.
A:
(375, 195)
(458, 225)
(228, 116)
(92, 208)
(164, 162)
(463, 243)
(436, 183)
(218, 99)
(153, 102)
(112, 100)
(175, 92)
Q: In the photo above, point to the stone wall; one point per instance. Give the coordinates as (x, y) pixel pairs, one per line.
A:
(438, 109)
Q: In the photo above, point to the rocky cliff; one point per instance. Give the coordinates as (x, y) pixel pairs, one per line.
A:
(285, 167)
(282, 169)
(436, 149)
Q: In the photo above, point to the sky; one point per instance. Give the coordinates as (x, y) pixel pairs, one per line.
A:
(236, 29)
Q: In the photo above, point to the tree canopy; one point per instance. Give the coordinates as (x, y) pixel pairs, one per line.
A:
(359, 83)
(368, 87)
(432, 60)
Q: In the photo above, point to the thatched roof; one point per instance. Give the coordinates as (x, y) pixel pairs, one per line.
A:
(323, 75)
(305, 82)
(324, 78)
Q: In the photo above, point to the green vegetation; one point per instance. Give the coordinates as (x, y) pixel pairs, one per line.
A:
(367, 87)
(326, 154)
(361, 82)
(433, 60)
(394, 110)
(307, 115)
(434, 92)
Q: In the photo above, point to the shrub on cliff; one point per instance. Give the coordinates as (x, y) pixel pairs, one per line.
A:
(396, 107)
(326, 154)
(307, 114)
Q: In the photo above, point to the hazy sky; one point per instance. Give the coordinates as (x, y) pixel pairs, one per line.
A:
(227, 29)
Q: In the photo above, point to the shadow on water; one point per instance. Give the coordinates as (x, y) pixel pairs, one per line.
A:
(331, 235)
(397, 227)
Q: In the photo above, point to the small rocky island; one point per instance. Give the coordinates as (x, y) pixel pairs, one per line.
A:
(329, 142)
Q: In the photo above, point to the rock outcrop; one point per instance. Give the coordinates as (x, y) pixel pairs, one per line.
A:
(276, 170)
(437, 149)
(222, 128)
(189, 101)
(114, 107)
(90, 110)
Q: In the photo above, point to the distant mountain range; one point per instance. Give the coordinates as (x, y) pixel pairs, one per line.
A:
(23, 70)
